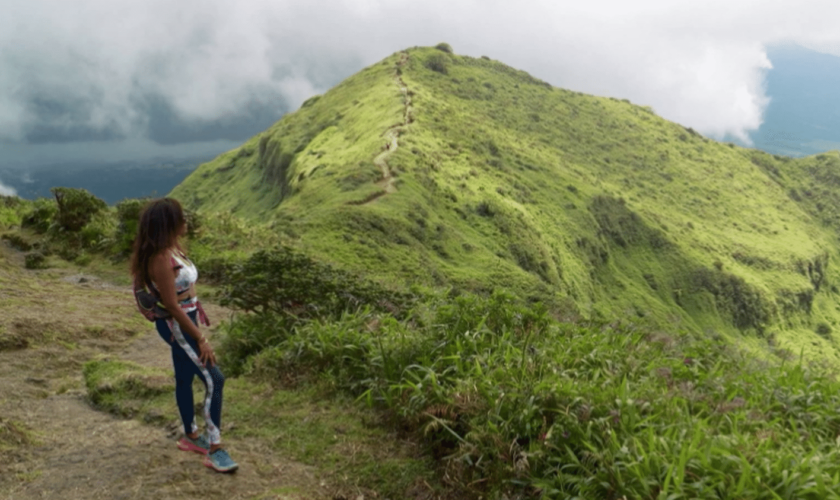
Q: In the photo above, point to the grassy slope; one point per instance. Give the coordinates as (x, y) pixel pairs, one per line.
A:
(504, 181)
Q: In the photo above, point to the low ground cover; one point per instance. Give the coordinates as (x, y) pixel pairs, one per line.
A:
(71, 341)
(501, 395)
(513, 402)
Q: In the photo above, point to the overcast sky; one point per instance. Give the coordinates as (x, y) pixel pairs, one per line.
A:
(118, 78)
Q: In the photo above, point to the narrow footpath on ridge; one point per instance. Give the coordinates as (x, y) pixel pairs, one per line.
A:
(388, 181)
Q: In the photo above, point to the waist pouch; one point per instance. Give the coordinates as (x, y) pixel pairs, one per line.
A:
(149, 306)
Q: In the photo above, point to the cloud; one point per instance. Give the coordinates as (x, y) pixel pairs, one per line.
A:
(203, 70)
(7, 190)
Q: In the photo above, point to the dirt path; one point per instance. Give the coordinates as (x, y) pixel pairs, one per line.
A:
(55, 445)
(388, 181)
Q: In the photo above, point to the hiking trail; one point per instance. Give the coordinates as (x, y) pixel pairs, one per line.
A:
(388, 181)
(56, 445)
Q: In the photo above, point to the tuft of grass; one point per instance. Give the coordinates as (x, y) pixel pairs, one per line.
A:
(125, 388)
(14, 435)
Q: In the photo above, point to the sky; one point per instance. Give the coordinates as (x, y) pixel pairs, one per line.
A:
(107, 80)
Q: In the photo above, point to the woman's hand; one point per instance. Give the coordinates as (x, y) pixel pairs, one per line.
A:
(205, 353)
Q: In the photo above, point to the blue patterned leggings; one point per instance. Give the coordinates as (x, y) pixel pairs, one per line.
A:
(188, 365)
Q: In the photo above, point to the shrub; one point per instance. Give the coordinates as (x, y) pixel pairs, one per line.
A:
(485, 209)
(309, 102)
(76, 207)
(98, 233)
(285, 282)
(194, 222)
(438, 63)
(11, 208)
(444, 47)
(35, 260)
(213, 264)
(17, 242)
(68, 252)
(128, 216)
(743, 303)
(84, 258)
(42, 215)
(9, 201)
(824, 329)
(286, 289)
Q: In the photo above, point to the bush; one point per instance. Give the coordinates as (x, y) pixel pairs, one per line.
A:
(9, 201)
(76, 207)
(214, 268)
(35, 260)
(824, 330)
(444, 47)
(285, 282)
(11, 210)
(439, 63)
(42, 215)
(194, 223)
(128, 217)
(98, 233)
(286, 289)
(743, 303)
(17, 242)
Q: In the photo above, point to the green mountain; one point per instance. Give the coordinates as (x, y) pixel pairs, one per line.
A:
(449, 170)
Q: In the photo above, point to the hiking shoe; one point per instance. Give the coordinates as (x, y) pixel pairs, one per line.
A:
(220, 461)
(199, 445)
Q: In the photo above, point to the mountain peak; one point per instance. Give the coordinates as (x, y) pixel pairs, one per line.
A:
(452, 170)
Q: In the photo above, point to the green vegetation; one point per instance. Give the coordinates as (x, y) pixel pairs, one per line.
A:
(497, 245)
(14, 435)
(288, 289)
(590, 204)
(513, 402)
(127, 388)
(335, 435)
(78, 227)
(72, 225)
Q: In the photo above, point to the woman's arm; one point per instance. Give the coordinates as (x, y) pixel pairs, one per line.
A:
(164, 277)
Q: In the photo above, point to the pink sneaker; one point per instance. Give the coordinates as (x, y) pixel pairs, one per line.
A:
(199, 445)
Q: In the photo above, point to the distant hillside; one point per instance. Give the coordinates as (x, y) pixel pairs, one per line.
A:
(802, 117)
(448, 170)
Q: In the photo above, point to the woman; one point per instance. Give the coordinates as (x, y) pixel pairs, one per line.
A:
(160, 263)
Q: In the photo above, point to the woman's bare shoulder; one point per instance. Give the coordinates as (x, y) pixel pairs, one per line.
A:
(161, 259)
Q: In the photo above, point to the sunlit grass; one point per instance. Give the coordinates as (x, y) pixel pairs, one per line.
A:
(498, 180)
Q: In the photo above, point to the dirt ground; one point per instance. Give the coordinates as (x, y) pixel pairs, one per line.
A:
(55, 445)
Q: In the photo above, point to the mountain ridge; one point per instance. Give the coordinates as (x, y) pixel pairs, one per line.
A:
(498, 179)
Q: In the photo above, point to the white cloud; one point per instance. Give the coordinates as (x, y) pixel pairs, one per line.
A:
(701, 64)
(7, 190)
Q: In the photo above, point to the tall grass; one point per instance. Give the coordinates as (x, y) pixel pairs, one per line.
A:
(514, 402)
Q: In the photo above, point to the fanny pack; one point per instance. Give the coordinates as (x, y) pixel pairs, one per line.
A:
(149, 305)
(148, 300)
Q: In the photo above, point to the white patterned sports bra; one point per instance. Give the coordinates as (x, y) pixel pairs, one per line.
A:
(185, 278)
(186, 274)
